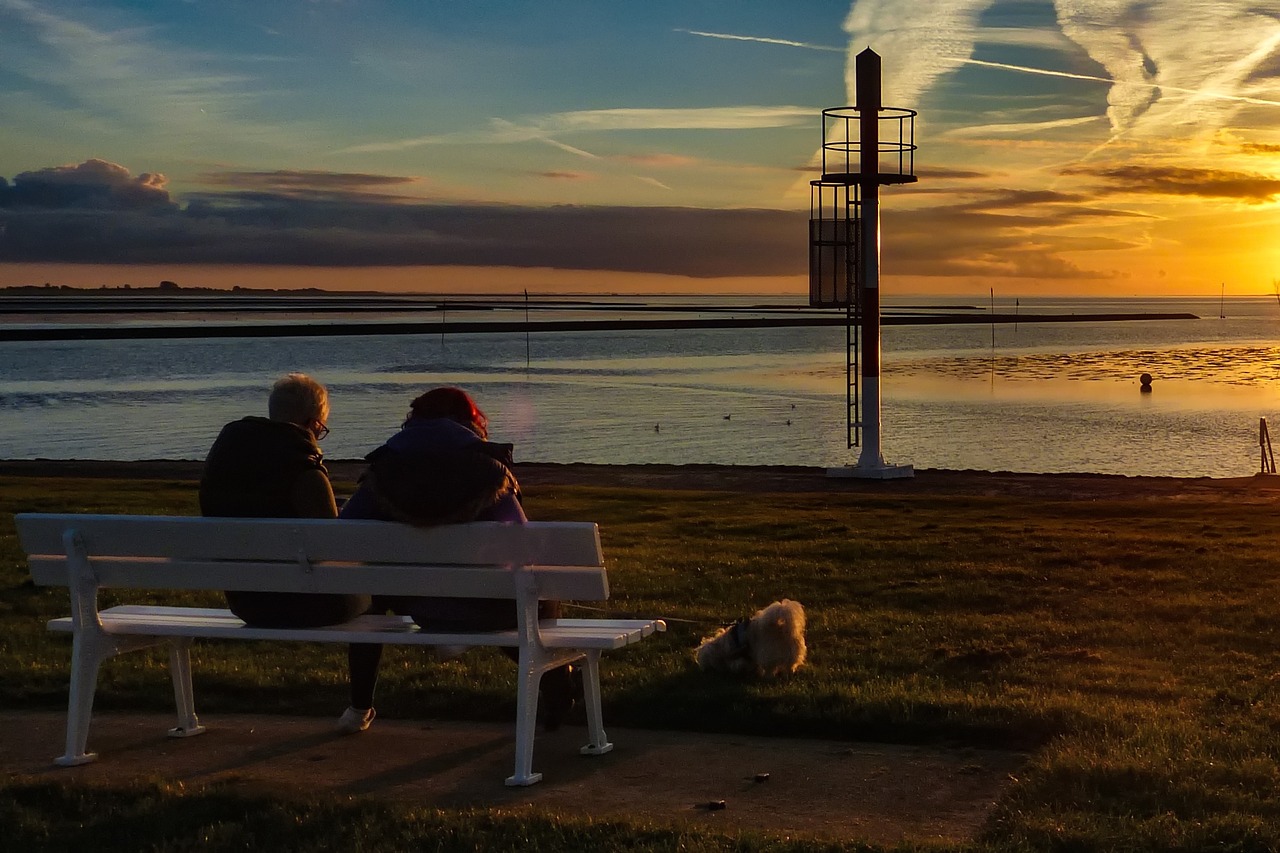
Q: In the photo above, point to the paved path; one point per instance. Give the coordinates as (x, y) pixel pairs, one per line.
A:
(821, 789)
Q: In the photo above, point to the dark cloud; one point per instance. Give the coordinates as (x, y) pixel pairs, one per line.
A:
(1005, 199)
(1168, 180)
(1259, 148)
(1268, 70)
(339, 219)
(304, 182)
(93, 184)
(314, 222)
(566, 176)
(998, 233)
(982, 244)
(942, 173)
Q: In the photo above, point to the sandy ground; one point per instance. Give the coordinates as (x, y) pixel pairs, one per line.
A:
(822, 789)
(818, 789)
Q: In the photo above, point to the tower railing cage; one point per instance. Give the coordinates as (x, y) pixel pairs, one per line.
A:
(895, 144)
(834, 209)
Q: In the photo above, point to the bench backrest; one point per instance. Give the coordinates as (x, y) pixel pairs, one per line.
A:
(313, 555)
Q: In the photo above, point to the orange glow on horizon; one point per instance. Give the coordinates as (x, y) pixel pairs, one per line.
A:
(1202, 274)
(470, 280)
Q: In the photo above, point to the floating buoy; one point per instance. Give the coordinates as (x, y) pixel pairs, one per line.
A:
(1145, 381)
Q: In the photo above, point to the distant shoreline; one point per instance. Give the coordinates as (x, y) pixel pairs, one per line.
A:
(444, 327)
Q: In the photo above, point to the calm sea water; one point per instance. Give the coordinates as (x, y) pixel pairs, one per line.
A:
(1036, 397)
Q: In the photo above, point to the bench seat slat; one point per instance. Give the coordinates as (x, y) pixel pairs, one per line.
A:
(163, 621)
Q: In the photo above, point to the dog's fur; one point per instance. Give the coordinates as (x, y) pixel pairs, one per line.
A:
(769, 644)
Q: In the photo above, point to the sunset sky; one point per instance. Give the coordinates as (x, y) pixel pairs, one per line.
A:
(1126, 147)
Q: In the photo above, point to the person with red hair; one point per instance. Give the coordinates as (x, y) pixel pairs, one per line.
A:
(441, 468)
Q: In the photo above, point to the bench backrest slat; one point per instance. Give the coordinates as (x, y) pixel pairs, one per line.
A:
(318, 555)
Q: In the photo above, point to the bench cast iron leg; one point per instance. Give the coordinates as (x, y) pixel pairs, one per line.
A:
(86, 658)
(183, 694)
(599, 744)
(526, 722)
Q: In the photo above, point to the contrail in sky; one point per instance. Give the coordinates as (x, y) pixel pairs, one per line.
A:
(1244, 99)
(784, 42)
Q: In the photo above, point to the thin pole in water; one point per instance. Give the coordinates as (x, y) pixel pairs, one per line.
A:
(993, 337)
(993, 318)
(1264, 447)
(526, 328)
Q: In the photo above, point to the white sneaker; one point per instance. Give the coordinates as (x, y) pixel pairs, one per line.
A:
(354, 720)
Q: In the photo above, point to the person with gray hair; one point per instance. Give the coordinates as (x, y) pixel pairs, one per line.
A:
(272, 467)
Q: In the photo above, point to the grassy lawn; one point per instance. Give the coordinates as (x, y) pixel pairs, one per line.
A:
(1130, 646)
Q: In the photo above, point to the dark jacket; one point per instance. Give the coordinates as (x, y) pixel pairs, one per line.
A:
(434, 471)
(437, 471)
(259, 468)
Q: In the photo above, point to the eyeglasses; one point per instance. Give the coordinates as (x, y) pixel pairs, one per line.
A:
(321, 431)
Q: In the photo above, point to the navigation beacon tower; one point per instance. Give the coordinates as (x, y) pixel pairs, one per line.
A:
(844, 244)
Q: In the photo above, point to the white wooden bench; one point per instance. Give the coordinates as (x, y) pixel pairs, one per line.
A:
(523, 562)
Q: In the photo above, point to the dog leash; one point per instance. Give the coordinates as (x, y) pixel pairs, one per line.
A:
(614, 614)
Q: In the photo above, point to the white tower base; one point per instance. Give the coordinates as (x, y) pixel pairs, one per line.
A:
(871, 464)
(872, 472)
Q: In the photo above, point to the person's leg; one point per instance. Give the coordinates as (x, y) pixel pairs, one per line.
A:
(362, 665)
(560, 687)
(362, 673)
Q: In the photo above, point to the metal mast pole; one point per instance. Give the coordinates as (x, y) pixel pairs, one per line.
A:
(867, 103)
(868, 106)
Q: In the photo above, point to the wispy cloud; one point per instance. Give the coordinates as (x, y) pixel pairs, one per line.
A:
(920, 41)
(541, 128)
(1210, 53)
(1025, 127)
(1205, 50)
(568, 148)
(661, 161)
(697, 118)
(653, 182)
(126, 77)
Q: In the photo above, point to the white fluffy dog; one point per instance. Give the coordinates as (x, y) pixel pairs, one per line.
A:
(769, 644)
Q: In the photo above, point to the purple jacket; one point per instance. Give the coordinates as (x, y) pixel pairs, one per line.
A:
(437, 471)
